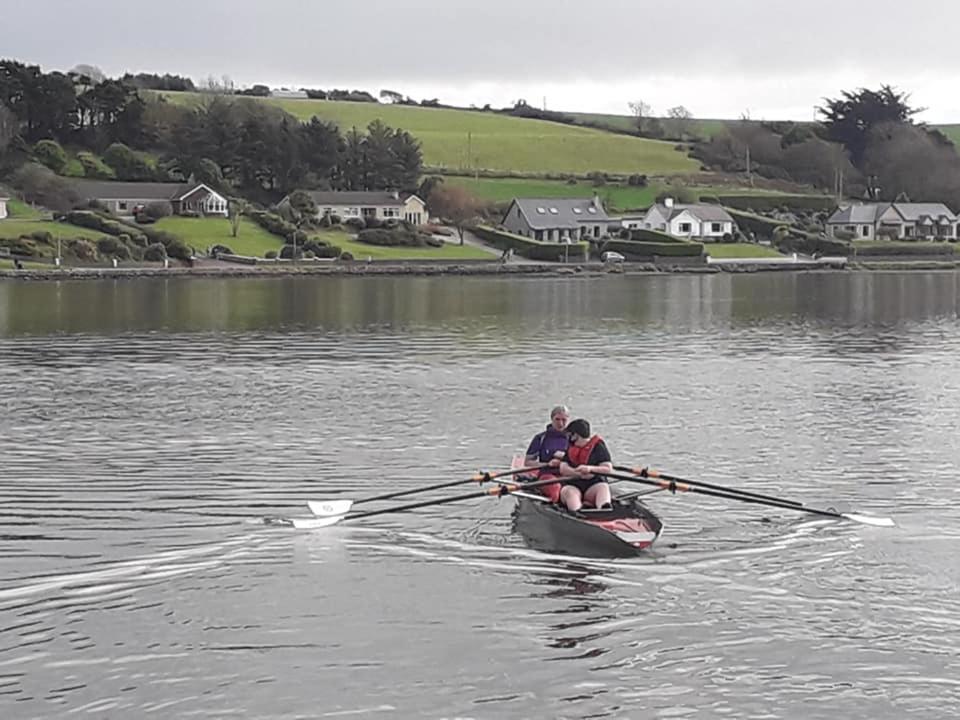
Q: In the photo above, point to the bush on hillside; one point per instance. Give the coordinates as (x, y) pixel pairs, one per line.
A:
(270, 255)
(272, 223)
(286, 252)
(126, 164)
(50, 154)
(93, 167)
(42, 236)
(113, 247)
(82, 249)
(158, 210)
(355, 223)
(155, 252)
(40, 185)
(95, 221)
(221, 250)
(346, 256)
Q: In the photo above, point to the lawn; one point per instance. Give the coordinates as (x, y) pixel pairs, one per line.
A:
(202, 233)
(14, 228)
(19, 209)
(463, 140)
(739, 250)
(6, 264)
(361, 251)
(614, 197)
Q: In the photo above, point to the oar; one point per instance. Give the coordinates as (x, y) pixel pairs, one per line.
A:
(327, 508)
(499, 491)
(675, 486)
(649, 472)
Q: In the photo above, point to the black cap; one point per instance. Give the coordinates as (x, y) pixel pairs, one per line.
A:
(580, 426)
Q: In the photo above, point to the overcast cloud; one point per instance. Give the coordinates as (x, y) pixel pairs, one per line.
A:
(720, 58)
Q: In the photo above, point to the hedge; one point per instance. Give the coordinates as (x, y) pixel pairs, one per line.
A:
(272, 223)
(809, 244)
(397, 237)
(875, 249)
(757, 224)
(95, 221)
(655, 236)
(767, 203)
(528, 248)
(635, 249)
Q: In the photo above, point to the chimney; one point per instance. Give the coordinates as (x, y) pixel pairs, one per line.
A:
(596, 202)
(395, 194)
(668, 202)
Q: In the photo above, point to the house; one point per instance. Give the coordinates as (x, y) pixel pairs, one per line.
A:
(895, 221)
(558, 219)
(3, 207)
(700, 221)
(123, 198)
(384, 205)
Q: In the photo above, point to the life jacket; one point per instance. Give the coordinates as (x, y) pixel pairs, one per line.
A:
(581, 455)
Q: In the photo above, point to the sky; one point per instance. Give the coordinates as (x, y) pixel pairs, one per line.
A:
(767, 59)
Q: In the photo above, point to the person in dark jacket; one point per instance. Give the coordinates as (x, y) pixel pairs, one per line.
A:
(550, 447)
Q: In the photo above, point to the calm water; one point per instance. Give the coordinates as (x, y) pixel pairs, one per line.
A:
(147, 427)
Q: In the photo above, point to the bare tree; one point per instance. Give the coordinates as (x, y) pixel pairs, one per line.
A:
(680, 121)
(235, 210)
(641, 112)
(454, 204)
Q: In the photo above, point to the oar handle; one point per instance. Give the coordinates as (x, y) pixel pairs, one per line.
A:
(482, 477)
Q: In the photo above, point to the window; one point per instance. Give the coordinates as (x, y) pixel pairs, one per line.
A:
(577, 211)
(592, 210)
(122, 205)
(541, 211)
(554, 211)
(716, 227)
(684, 227)
(865, 230)
(391, 212)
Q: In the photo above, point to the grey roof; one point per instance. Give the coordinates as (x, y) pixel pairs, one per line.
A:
(113, 190)
(551, 213)
(702, 211)
(868, 213)
(351, 197)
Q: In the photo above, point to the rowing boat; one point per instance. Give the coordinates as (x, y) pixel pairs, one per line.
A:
(625, 530)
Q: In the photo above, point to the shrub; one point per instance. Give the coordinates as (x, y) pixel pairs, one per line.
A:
(884, 248)
(372, 222)
(155, 252)
(42, 186)
(760, 226)
(94, 221)
(82, 249)
(270, 254)
(144, 219)
(222, 250)
(844, 234)
(637, 181)
(42, 236)
(112, 246)
(346, 256)
(286, 252)
(20, 246)
(178, 249)
(355, 223)
(93, 167)
(50, 154)
(158, 210)
(766, 203)
(126, 164)
(327, 251)
(393, 238)
(728, 238)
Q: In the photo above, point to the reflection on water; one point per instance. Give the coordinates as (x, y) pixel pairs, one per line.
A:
(148, 426)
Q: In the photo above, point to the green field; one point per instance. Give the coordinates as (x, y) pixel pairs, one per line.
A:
(461, 139)
(502, 190)
(739, 250)
(202, 233)
(705, 128)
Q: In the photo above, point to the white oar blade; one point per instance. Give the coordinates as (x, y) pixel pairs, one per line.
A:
(326, 508)
(869, 520)
(315, 523)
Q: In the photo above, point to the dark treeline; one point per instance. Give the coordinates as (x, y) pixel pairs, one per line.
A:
(236, 144)
(866, 144)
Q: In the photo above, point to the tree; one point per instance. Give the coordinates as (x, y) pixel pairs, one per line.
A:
(680, 121)
(42, 186)
(50, 154)
(236, 208)
(454, 204)
(393, 97)
(9, 129)
(904, 159)
(91, 74)
(126, 164)
(850, 118)
(641, 112)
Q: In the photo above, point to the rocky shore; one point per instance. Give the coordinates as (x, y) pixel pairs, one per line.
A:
(432, 268)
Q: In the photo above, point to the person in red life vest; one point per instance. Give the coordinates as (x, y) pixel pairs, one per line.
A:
(550, 447)
(587, 454)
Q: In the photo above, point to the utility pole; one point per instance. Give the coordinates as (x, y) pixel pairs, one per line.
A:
(469, 150)
(749, 174)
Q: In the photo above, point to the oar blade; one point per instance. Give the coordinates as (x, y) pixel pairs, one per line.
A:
(870, 520)
(315, 523)
(328, 508)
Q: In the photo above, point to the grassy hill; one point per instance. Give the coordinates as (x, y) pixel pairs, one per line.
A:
(462, 139)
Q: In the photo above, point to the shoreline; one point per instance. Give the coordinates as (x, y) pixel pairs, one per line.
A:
(415, 268)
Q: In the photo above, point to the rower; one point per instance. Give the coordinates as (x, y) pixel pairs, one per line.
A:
(550, 446)
(586, 455)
